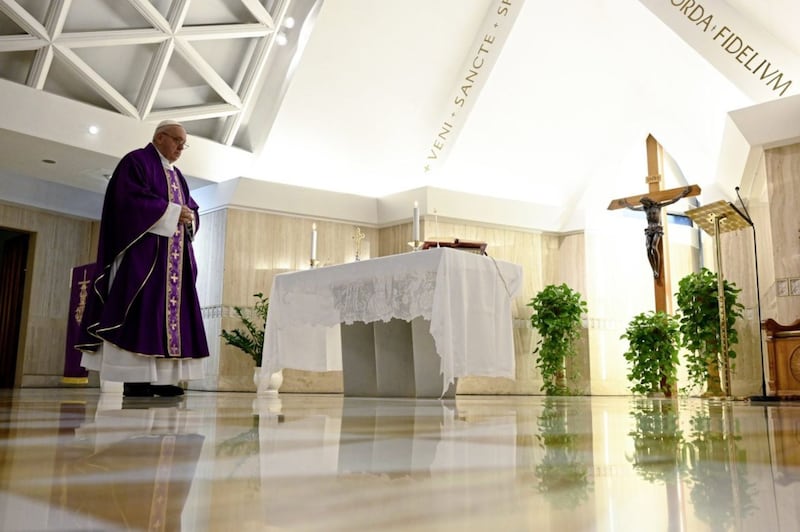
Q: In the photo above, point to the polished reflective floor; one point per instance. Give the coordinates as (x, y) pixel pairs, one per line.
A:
(73, 459)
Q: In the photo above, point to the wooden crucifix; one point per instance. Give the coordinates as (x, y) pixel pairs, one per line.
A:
(651, 203)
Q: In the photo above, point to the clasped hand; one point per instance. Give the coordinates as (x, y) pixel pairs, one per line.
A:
(187, 216)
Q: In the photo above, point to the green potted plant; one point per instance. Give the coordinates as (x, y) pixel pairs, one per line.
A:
(557, 311)
(653, 345)
(250, 339)
(698, 306)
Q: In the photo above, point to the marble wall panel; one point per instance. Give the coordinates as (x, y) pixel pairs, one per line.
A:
(394, 239)
(57, 244)
(239, 252)
(619, 286)
(771, 201)
(783, 182)
(209, 249)
(295, 381)
(760, 213)
(750, 261)
(738, 268)
(257, 246)
(685, 257)
(570, 268)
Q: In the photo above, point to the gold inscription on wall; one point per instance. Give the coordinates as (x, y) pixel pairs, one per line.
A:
(476, 71)
(734, 44)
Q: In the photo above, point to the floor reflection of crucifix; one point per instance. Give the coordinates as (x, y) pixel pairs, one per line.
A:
(651, 203)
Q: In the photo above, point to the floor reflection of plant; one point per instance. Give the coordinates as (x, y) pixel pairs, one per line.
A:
(708, 458)
(657, 440)
(242, 447)
(721, 492)
(561, 471)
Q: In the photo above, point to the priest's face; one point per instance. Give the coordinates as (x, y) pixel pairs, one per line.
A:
(171, 142)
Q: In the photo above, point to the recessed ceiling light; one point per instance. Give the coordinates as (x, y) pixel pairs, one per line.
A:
(93, 130)
(281, 39)
(48, 161)
(288, 22)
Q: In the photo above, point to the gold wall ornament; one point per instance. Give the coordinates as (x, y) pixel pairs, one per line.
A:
(358, 236)
(82, 299)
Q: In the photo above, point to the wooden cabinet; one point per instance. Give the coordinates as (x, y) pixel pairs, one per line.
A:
(783, 354)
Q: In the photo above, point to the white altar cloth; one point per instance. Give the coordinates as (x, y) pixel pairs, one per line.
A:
(465, 296)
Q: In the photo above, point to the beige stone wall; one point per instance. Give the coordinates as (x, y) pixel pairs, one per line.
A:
(57, 244)
(258, 246)
(772, 203)
(783, 184)
(240, 251)
(245, 250)
(774, 248)
(209, 249)
(738, 268)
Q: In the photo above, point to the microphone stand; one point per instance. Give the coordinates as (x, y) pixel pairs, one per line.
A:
(749, 220)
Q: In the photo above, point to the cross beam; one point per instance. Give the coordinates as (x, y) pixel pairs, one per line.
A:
(657, 196)
(651, 203)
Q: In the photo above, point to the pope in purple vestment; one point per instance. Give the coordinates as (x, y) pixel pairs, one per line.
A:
(143, 322)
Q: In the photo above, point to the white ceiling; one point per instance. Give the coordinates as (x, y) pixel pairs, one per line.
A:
(356, 98)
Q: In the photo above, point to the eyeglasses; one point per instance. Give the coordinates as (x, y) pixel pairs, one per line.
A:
(179, 141)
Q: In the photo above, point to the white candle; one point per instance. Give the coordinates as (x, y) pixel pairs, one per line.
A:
(313, 242)
(415, 224)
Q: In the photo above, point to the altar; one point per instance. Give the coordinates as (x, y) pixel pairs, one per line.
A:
(405, 325)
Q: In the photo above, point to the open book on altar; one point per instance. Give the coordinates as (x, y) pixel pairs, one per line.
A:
(472, 246)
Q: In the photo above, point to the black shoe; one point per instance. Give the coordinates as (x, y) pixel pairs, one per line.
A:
(137, 389)
(166, 390)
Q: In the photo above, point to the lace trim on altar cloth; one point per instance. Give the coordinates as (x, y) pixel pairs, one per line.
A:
(404, 296)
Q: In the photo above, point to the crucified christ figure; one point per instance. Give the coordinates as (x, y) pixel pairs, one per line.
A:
(651, 203)
(654, 231)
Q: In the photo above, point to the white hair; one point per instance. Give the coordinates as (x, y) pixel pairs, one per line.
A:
(165, 124)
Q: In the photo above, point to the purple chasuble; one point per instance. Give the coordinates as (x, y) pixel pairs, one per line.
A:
(151, 307)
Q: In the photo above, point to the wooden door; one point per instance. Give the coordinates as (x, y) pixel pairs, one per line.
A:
(13, 260)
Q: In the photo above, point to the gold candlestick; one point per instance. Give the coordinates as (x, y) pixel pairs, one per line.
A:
(416, 245)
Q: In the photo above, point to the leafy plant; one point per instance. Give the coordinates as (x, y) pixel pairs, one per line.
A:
(251, 338)
(700, 326)
(653, 345)
(557, 311)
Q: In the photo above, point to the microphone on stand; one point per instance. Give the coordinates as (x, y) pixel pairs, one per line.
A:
(745, 214)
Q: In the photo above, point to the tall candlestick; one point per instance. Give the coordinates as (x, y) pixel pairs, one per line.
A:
(313, 242)
(415, 224)
(436, 222)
